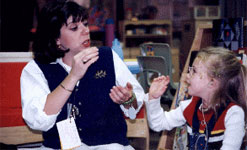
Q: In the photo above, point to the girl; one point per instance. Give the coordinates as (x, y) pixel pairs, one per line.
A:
(215, 116)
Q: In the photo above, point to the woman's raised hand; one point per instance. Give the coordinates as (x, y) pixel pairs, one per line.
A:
(158, 87)
(82, 61)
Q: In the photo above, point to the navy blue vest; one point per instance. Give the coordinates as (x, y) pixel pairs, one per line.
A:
(100, 120)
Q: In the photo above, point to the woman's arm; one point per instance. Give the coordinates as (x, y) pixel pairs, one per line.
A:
(34, 91)
(38, 102)
(124, 76)
(80, 63)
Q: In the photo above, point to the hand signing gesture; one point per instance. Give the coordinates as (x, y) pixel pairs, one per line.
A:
(158, 87)
(82, 61)
(120, 94)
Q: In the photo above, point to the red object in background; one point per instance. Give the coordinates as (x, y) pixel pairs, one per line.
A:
(10, 96)
(242, 50)
(33, 30)
(97, 18)
(140, 115)
(227, 33)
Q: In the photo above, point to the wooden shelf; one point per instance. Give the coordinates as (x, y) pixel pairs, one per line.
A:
(147, 22)
(146, 36)
(134, 33)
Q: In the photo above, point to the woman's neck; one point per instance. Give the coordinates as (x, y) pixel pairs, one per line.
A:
(68, 59)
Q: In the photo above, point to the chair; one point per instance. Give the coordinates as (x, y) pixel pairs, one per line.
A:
(138, 130)
(152, 67)
(13, 129)
(161, 49)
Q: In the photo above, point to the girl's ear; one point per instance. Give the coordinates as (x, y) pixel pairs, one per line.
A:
(213, 83)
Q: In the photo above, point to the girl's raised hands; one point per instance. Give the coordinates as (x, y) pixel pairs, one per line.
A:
(158, 87)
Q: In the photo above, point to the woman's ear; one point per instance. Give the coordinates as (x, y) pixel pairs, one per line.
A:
(58, 42)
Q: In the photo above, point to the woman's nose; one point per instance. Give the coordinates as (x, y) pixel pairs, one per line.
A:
(84, 30)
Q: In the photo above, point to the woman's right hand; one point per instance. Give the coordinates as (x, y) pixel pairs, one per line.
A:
(82, 61)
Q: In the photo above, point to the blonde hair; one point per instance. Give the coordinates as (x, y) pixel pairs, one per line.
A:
(223, 65)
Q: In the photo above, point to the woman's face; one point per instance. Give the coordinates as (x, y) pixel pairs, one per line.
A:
(74, 36)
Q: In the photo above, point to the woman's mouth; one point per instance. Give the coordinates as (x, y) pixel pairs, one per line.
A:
(86, 43)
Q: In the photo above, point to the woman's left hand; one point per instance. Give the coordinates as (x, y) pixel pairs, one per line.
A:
(121, 94)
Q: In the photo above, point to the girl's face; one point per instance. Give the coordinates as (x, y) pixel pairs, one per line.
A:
(74, 36)
(198, 80)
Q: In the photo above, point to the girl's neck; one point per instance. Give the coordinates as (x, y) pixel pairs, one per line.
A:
(203, 108)
(205, 104)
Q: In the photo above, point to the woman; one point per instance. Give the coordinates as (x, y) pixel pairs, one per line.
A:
(70, 79)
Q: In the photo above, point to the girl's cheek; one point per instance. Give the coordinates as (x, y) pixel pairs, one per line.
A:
(188, 78)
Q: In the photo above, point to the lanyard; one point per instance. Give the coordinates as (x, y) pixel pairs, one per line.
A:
(72, 110)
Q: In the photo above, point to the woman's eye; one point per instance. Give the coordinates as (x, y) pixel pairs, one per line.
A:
(85, 24)
(74, 28)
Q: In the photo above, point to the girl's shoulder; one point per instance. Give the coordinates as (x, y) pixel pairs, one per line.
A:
(183, 104)
(234, 108)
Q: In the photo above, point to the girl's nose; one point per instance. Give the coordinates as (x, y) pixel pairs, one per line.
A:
(188, 76)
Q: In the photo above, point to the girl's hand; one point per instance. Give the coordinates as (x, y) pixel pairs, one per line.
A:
(120, 94)
(82, 61)
(158, 87)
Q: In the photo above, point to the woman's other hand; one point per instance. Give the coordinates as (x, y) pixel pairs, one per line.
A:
(158, 87)
(120, 94)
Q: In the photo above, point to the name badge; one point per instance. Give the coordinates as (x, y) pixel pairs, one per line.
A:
(68, 134)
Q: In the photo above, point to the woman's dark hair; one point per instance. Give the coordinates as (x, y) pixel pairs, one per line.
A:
(52, 17)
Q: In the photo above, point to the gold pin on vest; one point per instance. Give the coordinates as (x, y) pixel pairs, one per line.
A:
(100, 74)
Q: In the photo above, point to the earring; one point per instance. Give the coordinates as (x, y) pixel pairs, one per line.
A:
(59, 46)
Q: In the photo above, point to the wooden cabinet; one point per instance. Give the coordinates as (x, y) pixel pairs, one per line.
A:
(135, 33)
(189, 28)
